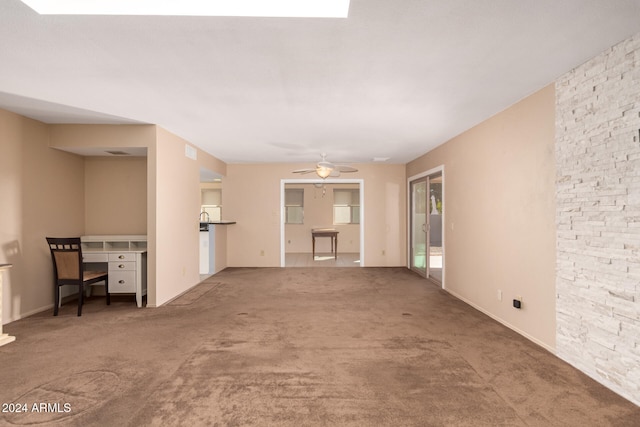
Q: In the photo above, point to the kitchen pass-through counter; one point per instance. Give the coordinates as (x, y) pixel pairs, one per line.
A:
(212, 243)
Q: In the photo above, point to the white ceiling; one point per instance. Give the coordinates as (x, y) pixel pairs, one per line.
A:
(395, 79)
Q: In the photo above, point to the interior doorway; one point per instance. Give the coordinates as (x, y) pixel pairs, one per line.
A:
(426, 233)
(316, 204)
(210, 212)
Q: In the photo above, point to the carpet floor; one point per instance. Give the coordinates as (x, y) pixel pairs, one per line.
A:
(292, 347)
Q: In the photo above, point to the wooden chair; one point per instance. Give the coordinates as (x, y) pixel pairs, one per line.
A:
(68, 269)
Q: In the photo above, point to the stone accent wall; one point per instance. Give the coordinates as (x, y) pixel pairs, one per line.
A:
(598, 218)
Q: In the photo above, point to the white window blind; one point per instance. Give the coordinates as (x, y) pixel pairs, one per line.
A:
(346, 206)
(294, 205)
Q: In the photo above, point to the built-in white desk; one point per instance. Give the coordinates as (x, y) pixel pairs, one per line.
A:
(4, 338)
(125, 258)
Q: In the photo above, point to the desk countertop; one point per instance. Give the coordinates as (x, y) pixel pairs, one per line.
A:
(113, 250)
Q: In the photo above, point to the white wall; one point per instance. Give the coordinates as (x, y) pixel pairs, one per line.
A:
(598, 216)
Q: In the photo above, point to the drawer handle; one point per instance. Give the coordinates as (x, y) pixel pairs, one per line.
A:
(120, 281)
(121, 256)
(121, 266)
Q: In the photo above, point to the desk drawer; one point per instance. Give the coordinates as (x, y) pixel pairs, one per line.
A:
(122, 257)
(121, 266)
(89, 257)
(122, 282)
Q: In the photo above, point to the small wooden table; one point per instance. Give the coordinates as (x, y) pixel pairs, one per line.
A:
(325, 232)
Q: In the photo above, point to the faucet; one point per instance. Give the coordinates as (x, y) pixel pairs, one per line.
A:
(207, 216)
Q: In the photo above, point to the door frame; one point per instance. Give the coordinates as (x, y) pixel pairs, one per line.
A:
(413, 233)
(433, 171)
(283, 182)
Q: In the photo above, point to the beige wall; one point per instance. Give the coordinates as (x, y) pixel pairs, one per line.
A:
(42, 194)
(176, 189)
(252, 198)
(115, 195)
(152, 223)
(500, 215)
(70, 136)
(177, 208)
(318, 212)
(166, 209)
(158, 195)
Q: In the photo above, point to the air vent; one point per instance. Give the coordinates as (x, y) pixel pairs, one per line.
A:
(117, 153)
(190, 152)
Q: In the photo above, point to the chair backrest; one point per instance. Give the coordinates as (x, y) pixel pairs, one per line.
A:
(66, 253)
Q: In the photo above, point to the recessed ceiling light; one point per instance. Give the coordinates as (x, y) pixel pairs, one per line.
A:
(263, 8)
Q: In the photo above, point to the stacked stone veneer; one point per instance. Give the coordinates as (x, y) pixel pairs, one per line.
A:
(598, 218)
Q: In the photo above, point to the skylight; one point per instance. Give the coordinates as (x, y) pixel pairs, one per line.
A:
(258, 8)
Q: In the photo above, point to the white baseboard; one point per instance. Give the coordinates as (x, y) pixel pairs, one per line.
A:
(547, 347)
(30, 313)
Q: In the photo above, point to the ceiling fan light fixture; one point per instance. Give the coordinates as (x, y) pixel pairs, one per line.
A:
(323, 171)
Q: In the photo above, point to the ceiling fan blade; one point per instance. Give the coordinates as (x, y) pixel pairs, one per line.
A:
(326, 169)
(346, 168)
(303, 171)
(325, 164)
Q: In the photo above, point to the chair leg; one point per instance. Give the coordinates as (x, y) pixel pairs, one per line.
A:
(57, 300)
(80, 300)
(106, 290)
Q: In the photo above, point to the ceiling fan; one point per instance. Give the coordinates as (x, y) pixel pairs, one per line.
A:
(325, 169)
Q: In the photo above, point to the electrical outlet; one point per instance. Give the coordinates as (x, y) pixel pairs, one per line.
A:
(499, 295)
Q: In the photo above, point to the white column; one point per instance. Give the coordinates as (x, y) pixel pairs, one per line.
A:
(4, 338)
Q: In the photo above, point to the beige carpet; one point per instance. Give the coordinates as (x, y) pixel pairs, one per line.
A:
(294, 347)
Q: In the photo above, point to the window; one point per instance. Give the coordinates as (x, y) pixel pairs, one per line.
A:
(214, 212)
(211, 204)
(294, 205)
(346, 206)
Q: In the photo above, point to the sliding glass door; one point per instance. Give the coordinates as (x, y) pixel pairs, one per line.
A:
(419, 226)
(427, 254)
